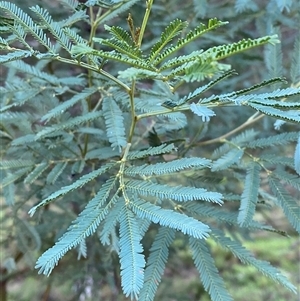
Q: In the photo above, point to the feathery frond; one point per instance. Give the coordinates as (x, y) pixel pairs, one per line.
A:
(85, 225)
(212, 281)
(231, 157)
(132, 260)
(156, 262)
(167, 167)
(191, 36)
(116, 8)
(250, 194)
(69, 124)
(295, 65)
(37, 171)
(169, 218)
(16, 55)
(292, 116)
(110, 222)
(56, 171)
(177, 193)
(152, 151)
(279, 139)
(77, 184)
(286, 202)
(171, 31)
(246, 257)
(114, 121)
(13, 177)
(202, 111)
(53, 27)
(61, 108)
(25, 20)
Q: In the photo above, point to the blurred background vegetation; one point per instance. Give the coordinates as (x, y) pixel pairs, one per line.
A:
(96, 278)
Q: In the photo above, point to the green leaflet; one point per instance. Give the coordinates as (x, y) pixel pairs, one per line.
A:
(13, 177)
(137, 73)
(110, 222)
(53, 27)
(121, 118)
(231, 218)
(291, 179)
(295, 66)
(202, 89)
(171, 31)
(8, 164)
(192, 35)
(115, 8)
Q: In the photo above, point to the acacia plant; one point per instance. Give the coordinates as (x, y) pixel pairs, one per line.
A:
(108, 144)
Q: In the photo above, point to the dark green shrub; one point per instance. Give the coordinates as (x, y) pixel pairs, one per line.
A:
(124, 146)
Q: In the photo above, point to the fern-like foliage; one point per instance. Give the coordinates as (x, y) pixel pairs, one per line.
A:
(131, 258)
(79, 230)
(210, 277)
(121, 148)
(250, 194)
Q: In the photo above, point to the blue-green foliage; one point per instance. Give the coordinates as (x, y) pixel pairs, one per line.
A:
(209, 274)
(250, 194)
(132, 260)
(156, 262)
(109, 147)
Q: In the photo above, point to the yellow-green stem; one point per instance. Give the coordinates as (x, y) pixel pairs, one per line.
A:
(132, 109)
(149, 4)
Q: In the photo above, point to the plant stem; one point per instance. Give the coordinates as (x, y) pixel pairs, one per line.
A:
(92, 68)
(132, 109)
(90, 81)
(149, 4)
